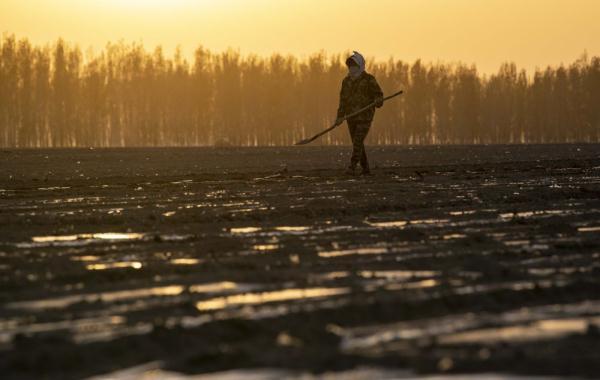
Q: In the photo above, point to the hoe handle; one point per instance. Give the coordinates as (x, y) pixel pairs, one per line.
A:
(306, 141)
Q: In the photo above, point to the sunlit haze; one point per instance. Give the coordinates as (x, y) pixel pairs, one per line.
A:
(532, 33)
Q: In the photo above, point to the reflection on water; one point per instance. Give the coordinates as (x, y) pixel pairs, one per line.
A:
(292, 228)
(265, 247)
(244, 230)
(83, 330)
(413, 285)
(79, 239)
(53, 188)
(85, 258)
(392, 224)
(460, 213)
(371, 336)
(544, 329)
(454, 236)
(429, 221)
(589, 229)
(526, 245)
(530, 214)
(185, 261)
(329, 276)
(131, 294)
(174, 237)
(117, 236)
(398, 274)
(120, 295)
(215, 287)
(46, 239)
(356, 251)
(115, 265)
(516, 242)
(524, 324)
(265, 297)
(561, 270)
(406, 223)
(86, 239)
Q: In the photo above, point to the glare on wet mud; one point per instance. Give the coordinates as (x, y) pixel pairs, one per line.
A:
(484, 263)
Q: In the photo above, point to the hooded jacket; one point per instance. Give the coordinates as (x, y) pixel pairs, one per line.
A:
(359, 92)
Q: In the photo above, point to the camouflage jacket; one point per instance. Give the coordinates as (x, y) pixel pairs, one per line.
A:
(358, 93)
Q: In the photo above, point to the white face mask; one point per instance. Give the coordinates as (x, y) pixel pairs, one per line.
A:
(354, 71)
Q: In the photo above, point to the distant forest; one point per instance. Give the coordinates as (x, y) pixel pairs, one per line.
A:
(51, 96)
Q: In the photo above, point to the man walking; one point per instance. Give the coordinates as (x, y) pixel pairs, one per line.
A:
(359, 89)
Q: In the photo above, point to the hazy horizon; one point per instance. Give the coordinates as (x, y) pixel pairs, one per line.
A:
(530, 33)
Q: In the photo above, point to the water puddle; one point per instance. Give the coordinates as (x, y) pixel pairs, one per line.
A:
(79, 239)
(53, 188)
(356, 251)
(541, 322)
(406, 223)
(539, 330)
(428, 221)
(265, 247)
(120, 295)
(185, 261)
(392, 224)
(82, 329)
(173, 237)
(217, 287)
(526, 245)
(424, 284)
(115, 265)
(372, 336)
(461, 213)
(328, 276)
(533, 214)
(130, 294)
(589, 229)
(85, 258)
(267, 297)
(514, 286)
(244, 230)
(454, 236)
(560, 270)
(292, 228)
(379, 276)
(398, 274)
(151, 371)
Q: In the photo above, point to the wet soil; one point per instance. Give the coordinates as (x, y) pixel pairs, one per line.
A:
(447, 260)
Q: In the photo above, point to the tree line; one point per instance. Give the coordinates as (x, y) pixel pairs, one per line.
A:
(53, 96)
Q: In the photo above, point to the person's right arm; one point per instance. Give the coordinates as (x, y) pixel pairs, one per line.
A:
(376, 92)
(341, 112)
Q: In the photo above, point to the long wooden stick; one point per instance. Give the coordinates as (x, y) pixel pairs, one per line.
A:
(309, 140)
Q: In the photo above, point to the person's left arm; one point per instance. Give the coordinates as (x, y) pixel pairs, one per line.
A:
(341, 112)
(376, 93)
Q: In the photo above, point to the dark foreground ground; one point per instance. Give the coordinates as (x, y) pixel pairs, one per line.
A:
(448, 259)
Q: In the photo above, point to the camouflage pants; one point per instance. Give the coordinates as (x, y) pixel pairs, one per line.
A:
(358, 133)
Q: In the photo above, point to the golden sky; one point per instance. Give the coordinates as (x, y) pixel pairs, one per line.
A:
(485, 32)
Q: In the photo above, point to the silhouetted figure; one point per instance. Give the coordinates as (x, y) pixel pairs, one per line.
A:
(359, 89)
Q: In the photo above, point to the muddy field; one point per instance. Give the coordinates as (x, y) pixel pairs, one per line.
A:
(446, 260)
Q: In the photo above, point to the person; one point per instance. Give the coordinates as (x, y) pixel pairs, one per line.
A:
(359, 89)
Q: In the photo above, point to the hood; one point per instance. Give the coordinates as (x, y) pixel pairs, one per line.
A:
(359, 59)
